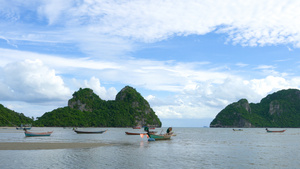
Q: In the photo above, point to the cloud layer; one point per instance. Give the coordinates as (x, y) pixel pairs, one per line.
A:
(31, 81)
(197, 92)
(247, 22)
(98, 27)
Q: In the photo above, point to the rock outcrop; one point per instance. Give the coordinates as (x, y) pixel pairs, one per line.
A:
(280, 109)
(128, 105)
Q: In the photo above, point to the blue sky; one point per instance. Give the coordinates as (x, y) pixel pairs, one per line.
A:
(189, 59)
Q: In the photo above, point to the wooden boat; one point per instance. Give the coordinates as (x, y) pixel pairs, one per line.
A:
(89, 132)
(237, 129)
(130, 133)
(34, 134)
(136, 127)
(161, 136)
(276, 131)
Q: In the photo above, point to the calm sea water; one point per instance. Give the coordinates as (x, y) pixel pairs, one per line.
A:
(190, 148)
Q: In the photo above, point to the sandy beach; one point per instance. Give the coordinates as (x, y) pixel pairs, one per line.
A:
(41, 146)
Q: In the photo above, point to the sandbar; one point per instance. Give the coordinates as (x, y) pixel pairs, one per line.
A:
(42, 146)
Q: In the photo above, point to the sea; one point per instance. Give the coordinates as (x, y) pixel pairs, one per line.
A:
(190, 148)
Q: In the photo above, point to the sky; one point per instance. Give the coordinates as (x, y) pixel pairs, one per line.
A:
(189, 59)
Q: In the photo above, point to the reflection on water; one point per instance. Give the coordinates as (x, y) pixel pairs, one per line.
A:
(191, 148)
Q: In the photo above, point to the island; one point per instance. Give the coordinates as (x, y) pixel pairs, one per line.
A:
(86, 109)
(280, 109)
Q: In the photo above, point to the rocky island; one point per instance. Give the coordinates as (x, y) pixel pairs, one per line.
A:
(86, 109)
(280, 109)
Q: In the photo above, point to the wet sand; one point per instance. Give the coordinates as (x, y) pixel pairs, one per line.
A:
(41, 146)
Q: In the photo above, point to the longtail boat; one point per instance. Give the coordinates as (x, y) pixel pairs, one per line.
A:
(34, 134)
(237, 129)
(136, 127)
(89, 132)
(278, 131)
(130, 133)
(161, 136)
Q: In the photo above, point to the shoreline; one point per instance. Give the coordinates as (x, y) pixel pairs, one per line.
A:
(47, 146)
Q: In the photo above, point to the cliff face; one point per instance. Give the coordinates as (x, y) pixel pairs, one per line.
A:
(280, 109)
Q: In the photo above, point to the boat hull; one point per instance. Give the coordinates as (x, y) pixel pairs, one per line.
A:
(129, 133)
(89, 132)
(280, 131)
(161, 137)
(33, 134)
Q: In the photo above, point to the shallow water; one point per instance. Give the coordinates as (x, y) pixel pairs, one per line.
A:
(190, 148)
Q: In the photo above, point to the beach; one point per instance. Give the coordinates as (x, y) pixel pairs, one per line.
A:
(41, 146)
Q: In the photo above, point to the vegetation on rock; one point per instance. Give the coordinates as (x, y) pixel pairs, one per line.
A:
(86, 109)
(280, 109)
(11, 118)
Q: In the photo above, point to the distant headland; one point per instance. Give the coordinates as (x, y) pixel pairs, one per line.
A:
(280, 109)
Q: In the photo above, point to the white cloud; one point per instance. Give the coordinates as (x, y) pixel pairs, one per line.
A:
(195, 90)
(56, 61)
(54, 9)
(241, 64)
(30, 80)
(8, 42)
(247, 22)
(272, 84)
(102, 92)
(265, 67)
(110, 28)
(205, 100)
(150, 97)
